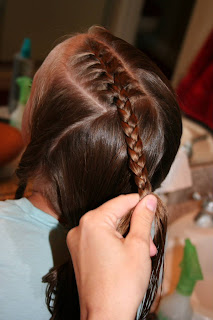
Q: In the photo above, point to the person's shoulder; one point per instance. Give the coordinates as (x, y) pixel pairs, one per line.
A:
(11, 208)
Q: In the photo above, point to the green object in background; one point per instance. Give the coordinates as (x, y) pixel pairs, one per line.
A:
(161, 316)
(23, 66)
(24, 84)
(191, 270)
(178, 305)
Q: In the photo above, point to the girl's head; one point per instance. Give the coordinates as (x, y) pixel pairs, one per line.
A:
(102, 120)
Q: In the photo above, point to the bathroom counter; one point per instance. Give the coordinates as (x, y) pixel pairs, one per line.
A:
(175, 211)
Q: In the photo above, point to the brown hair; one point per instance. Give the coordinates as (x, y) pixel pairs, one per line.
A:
(105, 122)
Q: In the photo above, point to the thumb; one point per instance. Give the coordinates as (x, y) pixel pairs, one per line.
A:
(142, 218)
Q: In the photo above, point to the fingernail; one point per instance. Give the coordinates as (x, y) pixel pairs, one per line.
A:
(151, 203)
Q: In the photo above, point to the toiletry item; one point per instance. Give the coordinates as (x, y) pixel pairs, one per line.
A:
(22, 66)
(177, 305)
(24, 84)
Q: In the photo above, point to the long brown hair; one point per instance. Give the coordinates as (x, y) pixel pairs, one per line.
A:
(104, 122)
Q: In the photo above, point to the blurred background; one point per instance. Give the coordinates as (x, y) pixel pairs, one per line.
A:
(170, 32)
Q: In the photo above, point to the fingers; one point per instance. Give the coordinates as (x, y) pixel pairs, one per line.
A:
(142, 218)
(113, 209)
(116, 208)
(120, 205)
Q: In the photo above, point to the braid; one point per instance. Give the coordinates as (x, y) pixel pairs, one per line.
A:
(134, 147)
(96, 67)
(120, 86)
(136, 156)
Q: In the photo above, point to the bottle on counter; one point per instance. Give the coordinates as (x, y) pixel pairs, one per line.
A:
(177, 306)
(22, 66)
(24, 84)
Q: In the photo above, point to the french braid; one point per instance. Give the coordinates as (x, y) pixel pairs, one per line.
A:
(119, 85)
(101, 71)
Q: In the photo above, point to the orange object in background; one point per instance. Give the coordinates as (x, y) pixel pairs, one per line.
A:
(11, 143)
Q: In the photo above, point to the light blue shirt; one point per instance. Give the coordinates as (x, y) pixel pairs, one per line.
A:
(31, 242)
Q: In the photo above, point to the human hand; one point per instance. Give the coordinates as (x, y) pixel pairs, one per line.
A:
(112, 273)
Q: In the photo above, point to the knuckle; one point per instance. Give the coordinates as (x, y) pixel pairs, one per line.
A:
(71, 236)
(86, 221)
(71, 233)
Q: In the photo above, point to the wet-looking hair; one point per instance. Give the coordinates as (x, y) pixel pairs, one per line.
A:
(104, 122)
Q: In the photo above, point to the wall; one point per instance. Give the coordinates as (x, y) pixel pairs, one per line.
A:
(198, 30)
(125, 18)
(44, 21)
